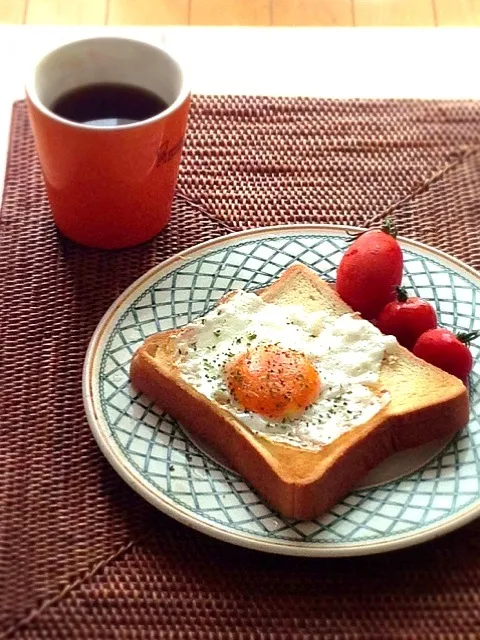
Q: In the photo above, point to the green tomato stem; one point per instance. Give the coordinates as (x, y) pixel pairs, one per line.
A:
(389, 227)
(402, 295)
(467, 337)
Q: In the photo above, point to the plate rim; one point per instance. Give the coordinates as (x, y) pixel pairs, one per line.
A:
(216, 530)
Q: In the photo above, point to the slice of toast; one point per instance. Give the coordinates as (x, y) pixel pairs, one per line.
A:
(425, 403)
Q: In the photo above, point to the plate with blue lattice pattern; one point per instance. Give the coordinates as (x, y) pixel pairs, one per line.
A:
(410, 498)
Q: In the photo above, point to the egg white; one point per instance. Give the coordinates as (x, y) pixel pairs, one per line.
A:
(347, 353)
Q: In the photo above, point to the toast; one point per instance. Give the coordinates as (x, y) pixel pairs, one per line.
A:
(425, 404)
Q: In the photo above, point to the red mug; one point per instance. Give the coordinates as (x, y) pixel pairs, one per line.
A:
(109, 187)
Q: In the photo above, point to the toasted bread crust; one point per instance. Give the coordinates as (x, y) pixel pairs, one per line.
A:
(426, 404)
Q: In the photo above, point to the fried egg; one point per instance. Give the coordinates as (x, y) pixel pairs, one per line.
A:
(291, 376)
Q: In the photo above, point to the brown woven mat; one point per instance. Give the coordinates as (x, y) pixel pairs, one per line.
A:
(81, 555)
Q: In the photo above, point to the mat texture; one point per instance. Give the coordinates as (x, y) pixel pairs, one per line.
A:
(81, 555)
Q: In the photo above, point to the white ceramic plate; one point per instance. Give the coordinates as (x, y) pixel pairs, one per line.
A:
(410, 498)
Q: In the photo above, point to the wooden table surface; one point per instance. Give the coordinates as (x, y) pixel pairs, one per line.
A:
(243, 12)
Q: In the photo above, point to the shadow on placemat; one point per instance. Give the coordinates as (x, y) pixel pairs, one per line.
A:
(81, 555)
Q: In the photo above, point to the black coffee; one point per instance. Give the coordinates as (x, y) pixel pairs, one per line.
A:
(108, 105)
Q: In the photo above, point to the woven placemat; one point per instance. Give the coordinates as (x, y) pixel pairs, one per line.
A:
(81, 555)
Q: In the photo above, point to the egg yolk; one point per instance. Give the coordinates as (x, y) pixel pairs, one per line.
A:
(273, 382)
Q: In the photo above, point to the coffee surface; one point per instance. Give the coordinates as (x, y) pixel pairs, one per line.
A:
(108, 105)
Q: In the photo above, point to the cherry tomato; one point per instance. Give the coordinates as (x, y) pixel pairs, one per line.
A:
(406, 318)
(370, 270)
(447, 351)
